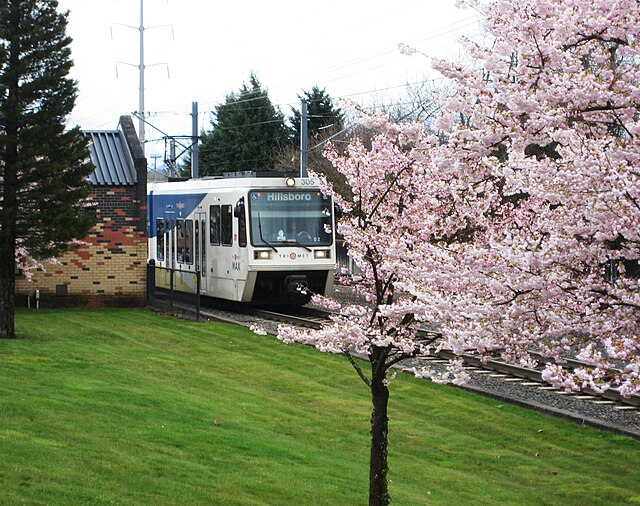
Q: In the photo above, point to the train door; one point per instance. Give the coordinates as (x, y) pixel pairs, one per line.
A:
(199, 229)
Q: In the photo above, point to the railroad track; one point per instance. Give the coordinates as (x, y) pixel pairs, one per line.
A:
(530, 377)
(533, 377)
(298, 317)
(525, 382)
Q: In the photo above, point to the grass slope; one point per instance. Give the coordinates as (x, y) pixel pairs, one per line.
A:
(129, 407)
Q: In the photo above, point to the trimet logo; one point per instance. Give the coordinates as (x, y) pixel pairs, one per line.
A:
(288, 196)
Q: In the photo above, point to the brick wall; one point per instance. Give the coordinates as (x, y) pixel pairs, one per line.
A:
(109, 269)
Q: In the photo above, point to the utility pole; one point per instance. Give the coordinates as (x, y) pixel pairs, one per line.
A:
(304, 139)
(141, 114)
(173, 170)
(141, 69)
(194, 141)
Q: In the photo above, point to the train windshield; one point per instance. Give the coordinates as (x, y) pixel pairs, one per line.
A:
(286, 217)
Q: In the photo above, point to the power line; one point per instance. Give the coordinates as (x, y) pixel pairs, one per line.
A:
(444, 31)
(337, 70)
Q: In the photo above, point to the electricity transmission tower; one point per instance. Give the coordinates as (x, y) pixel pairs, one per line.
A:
(140, 114)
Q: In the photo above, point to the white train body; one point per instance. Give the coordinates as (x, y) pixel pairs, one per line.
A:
(251, 239)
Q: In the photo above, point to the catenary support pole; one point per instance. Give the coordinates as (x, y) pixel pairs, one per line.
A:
(195, 171)
(141, 69)
(304, 139)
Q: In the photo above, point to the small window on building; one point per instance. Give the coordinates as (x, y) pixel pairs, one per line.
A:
(226, 225)
(214, 225)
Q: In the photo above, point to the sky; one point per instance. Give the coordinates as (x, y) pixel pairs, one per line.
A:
(202, 50)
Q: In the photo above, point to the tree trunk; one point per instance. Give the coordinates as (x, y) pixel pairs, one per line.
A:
(8, 252)
(8, 255)
(7, 306)
(378, 491)
(9, 209)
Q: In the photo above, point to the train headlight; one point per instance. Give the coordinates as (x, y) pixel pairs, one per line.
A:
(322, 253)
(290, 182)
(262, 254)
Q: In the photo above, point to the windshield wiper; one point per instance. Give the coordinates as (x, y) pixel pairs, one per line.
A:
(298, 243)
(262, 238)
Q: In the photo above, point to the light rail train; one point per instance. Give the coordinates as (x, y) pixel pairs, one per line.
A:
(248, 237)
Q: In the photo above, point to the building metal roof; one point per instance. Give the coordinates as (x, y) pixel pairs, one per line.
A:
(112, 158)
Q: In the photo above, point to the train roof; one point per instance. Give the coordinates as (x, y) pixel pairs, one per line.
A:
(251, 180)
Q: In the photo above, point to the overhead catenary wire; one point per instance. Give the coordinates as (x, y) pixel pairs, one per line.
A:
(371, 108)
(349, 64)
(346, 69)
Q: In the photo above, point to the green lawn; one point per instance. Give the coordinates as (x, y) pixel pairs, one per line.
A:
(129, 407)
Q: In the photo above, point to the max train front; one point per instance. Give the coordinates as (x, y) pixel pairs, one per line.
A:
(292, 241)
(250, 239)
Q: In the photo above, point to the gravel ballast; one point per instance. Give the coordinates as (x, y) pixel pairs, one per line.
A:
(541, 397)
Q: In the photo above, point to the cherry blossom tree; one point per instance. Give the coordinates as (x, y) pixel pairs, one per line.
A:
(547, 138)
(516, 237)
(385, 180)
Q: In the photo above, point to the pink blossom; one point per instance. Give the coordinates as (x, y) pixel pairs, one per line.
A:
(258, 329)
(519, 232)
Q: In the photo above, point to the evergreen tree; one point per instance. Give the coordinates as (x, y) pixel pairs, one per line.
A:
(247, 133)
(322, 114)
(324, 122)
(43, 168)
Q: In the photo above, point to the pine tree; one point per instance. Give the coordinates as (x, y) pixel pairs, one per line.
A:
(325, 121)
(248, 132)
(43, 168)
(322, 114)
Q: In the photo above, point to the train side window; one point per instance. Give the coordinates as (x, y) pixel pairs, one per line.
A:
(180, 241)
(242, 231)
(214, 225)
(226, 225)
(160, 239)
(172, 242)
(188, 242)
(203, 253)
(196, 245)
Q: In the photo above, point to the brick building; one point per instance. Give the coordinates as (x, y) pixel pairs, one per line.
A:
(109, 267)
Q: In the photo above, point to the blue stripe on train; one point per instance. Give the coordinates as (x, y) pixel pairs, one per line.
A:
(176, 205)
